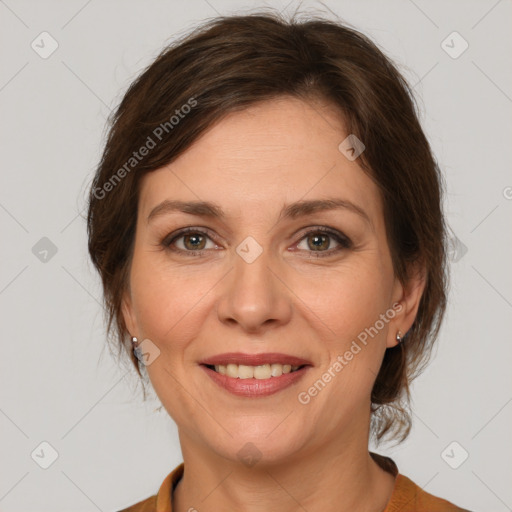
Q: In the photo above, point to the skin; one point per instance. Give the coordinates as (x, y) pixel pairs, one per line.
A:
(252, 163)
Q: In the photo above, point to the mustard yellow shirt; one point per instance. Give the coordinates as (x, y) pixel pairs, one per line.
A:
(406, 496)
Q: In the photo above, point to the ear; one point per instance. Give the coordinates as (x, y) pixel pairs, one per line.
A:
(408, 295)
(128, 313)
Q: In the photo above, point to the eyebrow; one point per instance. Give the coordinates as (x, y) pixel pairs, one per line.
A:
(290, 211)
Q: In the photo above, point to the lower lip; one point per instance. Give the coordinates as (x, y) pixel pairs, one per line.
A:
(255, 387)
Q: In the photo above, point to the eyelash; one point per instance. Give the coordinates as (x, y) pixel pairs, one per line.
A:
(343, 241)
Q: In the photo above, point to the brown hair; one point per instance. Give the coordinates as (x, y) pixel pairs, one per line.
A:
(232, 62)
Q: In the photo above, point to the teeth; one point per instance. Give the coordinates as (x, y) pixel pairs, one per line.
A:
(264, 371)
(245, 372)
(232, 370)
(276, 370)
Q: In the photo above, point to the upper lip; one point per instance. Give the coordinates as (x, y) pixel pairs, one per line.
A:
(254, 359)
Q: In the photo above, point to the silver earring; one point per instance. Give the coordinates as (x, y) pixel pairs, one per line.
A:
(134, 339)
(399, 337)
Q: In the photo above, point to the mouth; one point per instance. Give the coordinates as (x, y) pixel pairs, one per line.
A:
(260, 372)
(252, 375)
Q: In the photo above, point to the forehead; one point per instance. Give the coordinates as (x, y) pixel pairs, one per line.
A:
(270, 154)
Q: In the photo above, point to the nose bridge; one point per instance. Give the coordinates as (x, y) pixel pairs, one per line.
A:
(253, 296)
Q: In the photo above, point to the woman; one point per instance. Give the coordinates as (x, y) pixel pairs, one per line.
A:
(267, 223)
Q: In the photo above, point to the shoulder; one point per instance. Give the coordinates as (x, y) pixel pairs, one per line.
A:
(411, 497)
(160, 502)
(147, 505)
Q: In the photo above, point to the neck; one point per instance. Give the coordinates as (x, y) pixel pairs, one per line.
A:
(339, 476)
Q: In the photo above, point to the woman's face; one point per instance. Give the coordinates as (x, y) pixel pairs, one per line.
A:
(265, 272)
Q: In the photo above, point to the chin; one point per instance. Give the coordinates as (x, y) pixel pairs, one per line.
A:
(263, 445)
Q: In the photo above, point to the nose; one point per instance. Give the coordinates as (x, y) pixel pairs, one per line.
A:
(255, 296)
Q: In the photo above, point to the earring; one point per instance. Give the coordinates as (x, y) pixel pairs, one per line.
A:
(134, 339)
(399, 337)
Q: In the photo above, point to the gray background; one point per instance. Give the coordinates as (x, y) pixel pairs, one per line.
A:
(58, 382)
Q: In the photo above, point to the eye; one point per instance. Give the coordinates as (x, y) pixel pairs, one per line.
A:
(318, 242)
(191, 241)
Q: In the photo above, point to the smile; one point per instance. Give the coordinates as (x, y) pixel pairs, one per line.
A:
(255, 375)
(263, 371)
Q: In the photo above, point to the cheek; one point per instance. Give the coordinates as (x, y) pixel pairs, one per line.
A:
(168, 302)
(350, 300)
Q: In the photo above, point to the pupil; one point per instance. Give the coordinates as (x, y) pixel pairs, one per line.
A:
(319, 238)
(195, 240)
